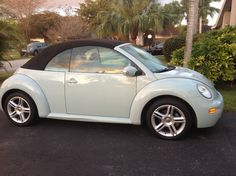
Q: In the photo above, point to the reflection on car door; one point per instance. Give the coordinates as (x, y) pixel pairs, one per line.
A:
(95, 85)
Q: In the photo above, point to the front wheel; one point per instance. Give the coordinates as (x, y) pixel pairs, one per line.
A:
(20, 109)
(35, 53)
(169, 118)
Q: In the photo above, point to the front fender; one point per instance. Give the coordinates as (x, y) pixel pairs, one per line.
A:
(184, 89)
(26, 84)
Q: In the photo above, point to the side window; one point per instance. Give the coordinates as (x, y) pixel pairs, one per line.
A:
(112, 61)
(91, 59)
(60, 62)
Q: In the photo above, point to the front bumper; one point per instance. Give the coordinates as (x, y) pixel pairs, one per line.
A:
(201, 107)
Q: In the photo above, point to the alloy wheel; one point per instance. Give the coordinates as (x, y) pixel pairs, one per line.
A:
(168, 120)
(18, 109)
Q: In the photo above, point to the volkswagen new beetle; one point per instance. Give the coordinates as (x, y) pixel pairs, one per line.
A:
(112, 82)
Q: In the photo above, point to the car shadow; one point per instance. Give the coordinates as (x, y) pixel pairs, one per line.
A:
(64, 127)
(118, 129)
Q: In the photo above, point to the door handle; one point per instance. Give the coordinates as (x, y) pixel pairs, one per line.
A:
(72, 81)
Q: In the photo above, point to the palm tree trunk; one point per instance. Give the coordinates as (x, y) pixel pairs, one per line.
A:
(191, 28)
(196, 9)
(200, 25)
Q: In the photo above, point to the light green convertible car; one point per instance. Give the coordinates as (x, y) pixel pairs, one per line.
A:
(110, 82)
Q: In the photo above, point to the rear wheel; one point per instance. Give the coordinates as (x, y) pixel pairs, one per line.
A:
(20, 109)
(169, 118)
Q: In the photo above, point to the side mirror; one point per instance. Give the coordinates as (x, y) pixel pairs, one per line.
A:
(130, 71)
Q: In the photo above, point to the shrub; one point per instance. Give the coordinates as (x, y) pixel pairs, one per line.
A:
(10, 38)
(213, 54)
(177, 57)
(171, 45)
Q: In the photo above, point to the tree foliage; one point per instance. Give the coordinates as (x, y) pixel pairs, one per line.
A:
(130, 18)
(9, 36)
(214, 55)
(171, 45)
(69, 28)
(40, 24)
(121, 18)
(22, 8)
(4, 12)
(89, 9)
(172, 14)
(204, 10)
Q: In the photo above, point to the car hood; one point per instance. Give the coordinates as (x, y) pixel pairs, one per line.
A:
(180, 72)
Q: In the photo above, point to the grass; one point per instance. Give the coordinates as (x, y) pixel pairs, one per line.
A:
(229, 94)
(11, 54)
(4, 76)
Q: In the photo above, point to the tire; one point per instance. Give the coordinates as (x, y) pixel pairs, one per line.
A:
(35, 53)
(169, 118)
(20, 109)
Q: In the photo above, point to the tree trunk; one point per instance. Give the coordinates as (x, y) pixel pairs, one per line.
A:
(191, 28)
(140, 39)
(26, 29)
(200, 25)
(196, 11)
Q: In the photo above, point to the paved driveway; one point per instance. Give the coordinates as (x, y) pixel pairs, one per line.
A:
(53, 147)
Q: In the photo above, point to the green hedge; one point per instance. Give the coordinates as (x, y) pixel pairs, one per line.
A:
(213, 54)
(171, 45)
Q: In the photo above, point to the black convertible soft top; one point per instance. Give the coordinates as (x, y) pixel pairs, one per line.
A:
(40, 61)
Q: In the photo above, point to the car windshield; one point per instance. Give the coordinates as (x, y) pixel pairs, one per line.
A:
(30, 44)
(151, 62)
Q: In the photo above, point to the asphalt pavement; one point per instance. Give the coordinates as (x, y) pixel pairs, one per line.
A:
(66, 148)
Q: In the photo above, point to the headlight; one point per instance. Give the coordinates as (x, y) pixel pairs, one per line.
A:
(204, 91)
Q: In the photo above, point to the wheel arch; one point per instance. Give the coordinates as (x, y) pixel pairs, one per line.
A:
(35, 51)
(150, 102)
(23, 83)
(11, 91)
(185, 91)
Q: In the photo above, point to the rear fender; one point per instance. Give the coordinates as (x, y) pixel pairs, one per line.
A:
(20, 82)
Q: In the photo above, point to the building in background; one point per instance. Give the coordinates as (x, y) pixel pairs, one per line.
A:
(227, 15)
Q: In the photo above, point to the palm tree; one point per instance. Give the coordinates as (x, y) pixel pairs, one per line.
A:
(192, 10)
(126, 18)
(172, 14)
(204, 10)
